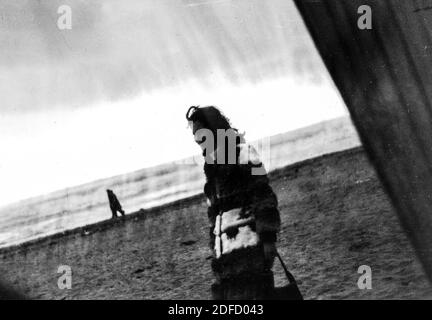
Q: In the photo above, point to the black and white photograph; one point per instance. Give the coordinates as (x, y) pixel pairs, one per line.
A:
(216, 150)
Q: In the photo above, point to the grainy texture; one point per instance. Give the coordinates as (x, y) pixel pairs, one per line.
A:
(335, 217)
(383, 74)
(87, 204)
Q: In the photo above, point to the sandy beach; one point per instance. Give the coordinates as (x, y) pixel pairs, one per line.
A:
(335, 218)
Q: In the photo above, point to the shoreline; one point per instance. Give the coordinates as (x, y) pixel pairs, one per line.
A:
(154, 211)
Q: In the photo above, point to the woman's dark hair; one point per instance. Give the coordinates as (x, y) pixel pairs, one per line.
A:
(211, 118)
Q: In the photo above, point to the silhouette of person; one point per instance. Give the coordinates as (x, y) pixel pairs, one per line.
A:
(243, 210)
(114, 204)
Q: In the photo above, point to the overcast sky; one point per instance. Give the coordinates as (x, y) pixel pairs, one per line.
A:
(109, 95)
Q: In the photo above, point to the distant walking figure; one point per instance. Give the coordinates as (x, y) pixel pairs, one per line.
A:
(114, 204)
(243, 214)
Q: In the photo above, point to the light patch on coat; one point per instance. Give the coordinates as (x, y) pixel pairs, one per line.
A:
(244, 238)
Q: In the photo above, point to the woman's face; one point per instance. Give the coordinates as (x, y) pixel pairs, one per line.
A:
(199, 138)
(195, 126)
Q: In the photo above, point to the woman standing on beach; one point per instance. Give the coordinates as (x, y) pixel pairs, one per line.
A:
(243, 214)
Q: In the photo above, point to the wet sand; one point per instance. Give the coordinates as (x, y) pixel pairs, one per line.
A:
(335, 218)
